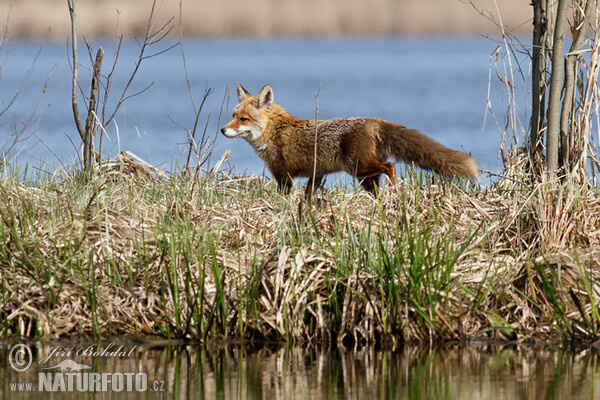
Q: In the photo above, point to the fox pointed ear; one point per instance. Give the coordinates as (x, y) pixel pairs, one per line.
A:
(265, 98)
(242, 93)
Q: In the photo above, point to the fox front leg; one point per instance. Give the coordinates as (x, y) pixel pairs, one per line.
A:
(284, 183)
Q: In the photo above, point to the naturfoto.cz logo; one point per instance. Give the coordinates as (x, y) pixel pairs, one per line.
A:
(69, 375)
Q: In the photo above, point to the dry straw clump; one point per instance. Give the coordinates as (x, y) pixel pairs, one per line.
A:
(137, 252)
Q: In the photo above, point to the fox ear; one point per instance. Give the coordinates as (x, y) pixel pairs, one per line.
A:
(265, 98)
(242, 93)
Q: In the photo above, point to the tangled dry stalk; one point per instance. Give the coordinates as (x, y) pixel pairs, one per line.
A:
(139, 252)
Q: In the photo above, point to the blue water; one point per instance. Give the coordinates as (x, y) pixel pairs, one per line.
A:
(437, 85)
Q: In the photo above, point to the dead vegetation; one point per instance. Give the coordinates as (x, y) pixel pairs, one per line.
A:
(47, 19)
(137, 251)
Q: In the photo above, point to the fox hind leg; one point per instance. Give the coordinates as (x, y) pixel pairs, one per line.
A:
(317, 183)
(370, 183)
(370, 174)
(391, 172)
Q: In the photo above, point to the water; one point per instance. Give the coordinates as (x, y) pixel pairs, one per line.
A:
(472, 372)
(437, 85)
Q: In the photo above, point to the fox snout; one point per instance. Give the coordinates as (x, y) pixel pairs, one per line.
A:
(229, 133)
(236, 128)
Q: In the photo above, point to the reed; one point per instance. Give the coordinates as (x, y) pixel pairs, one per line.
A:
(49, 19)
(138, 251)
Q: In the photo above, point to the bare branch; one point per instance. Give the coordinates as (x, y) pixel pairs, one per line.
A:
(109, 77)
(185, 70)
(160, 52)
(138, 92)
(149, 39)
(75, 70)
(35, 135)
(28, 74)
(197, 113)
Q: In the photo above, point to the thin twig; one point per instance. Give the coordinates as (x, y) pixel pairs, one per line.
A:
(316, 139)
(149, 39)
(35, 135)
(75, 74)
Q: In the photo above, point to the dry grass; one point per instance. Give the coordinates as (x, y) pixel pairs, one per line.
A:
(140, 252)
(50, 18)
(137, 251)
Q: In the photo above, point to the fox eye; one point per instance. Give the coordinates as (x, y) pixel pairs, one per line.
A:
(244, 119)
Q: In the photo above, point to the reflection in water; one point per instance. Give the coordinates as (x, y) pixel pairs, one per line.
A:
(474, 372)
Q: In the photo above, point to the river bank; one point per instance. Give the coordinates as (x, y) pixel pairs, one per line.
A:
(138, 251)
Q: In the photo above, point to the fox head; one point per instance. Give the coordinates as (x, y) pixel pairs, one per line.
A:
(250, 116)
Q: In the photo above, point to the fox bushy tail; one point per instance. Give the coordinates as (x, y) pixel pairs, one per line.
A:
(410, 145)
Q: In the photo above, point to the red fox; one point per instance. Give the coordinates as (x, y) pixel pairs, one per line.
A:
(358, 146)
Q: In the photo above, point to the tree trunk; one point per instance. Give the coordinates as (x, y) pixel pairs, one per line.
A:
(538, 82)
(566, 137)
(556, 86)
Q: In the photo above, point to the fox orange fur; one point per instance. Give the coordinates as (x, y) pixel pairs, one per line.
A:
(358, 146)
